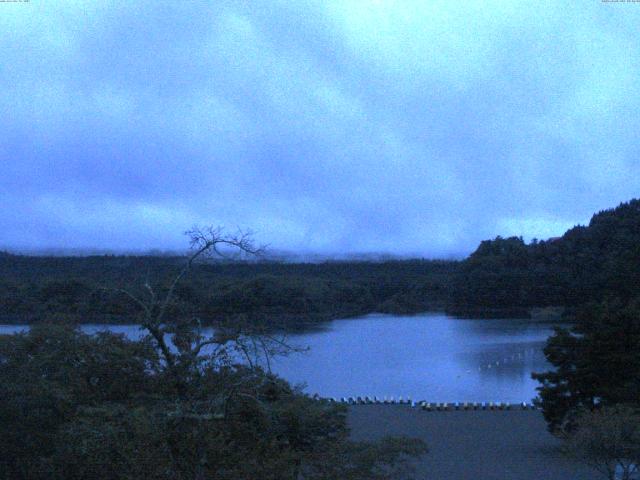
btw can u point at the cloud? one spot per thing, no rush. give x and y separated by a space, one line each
392 126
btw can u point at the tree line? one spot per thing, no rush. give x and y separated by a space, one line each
587 264
504 277
87 288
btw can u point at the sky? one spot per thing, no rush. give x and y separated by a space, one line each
402 127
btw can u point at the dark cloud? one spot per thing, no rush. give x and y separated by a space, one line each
399 127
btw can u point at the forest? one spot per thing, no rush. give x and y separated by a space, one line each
592 263
504 277
86 288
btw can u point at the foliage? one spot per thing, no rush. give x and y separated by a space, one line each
76 406
175 405
87 288
598 262
597 363
608 440
47 375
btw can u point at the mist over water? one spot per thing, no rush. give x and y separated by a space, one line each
429 356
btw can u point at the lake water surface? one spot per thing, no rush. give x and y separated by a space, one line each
429 356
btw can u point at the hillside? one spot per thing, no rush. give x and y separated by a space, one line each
588 263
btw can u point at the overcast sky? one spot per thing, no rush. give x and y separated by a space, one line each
331 126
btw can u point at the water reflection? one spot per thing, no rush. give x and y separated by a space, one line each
429 356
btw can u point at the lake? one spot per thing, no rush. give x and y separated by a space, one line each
429 356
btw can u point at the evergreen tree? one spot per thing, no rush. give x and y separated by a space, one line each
597 363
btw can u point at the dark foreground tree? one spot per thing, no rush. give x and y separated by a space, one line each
597 364
180 403
607 440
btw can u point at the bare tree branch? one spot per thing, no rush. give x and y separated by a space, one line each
254 345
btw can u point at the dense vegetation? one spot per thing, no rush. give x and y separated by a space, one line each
587 264
608 440
75 406
176 405
592 395
503 277
83 288
597 364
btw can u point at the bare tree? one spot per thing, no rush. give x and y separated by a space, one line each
187 353
608 440
185 333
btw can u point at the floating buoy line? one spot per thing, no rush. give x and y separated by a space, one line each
444 406
429 406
